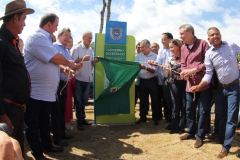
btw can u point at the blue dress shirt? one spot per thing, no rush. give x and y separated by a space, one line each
224 61
162 58
64 51
44 74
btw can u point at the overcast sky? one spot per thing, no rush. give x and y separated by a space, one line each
146 19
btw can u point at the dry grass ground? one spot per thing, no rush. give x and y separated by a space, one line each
134 142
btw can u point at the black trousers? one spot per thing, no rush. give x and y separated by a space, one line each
168 98
146 87
136 93
58 113
16 115
179 105
37 120
160 88
216 120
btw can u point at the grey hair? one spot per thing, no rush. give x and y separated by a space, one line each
213 28
61 31
86 32
146 42
155 43
187 28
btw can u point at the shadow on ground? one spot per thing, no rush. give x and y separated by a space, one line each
144 141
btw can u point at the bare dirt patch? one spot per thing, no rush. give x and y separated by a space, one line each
134 142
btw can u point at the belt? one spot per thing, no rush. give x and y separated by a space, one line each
148 78
230 84
12 102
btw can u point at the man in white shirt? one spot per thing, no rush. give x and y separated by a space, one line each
83 52
162 58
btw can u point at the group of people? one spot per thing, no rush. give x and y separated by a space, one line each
39 82
187 76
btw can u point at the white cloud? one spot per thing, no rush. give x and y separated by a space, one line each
77 20
146 19
196 7
46 5
88 2
149 19
79 23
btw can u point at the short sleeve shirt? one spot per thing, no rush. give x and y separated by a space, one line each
143 59
85 74
64 51
44 74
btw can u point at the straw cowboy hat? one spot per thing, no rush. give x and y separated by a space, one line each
17 6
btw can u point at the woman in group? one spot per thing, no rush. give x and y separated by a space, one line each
71 87
177 88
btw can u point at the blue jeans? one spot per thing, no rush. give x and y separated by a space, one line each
204 98
81 94
228 107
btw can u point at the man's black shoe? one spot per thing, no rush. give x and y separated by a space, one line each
213 136
140 120
173 132
181 131
86 123
67 136
168 120
168 127
55 150
80 127
156 123
61 143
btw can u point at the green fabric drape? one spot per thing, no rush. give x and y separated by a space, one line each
115 98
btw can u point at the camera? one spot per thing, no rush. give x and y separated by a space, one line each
4 127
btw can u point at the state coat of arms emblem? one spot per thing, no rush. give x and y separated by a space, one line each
116 33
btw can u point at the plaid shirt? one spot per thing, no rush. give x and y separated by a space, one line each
194 58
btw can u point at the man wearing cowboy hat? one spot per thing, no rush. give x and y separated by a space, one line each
15 83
